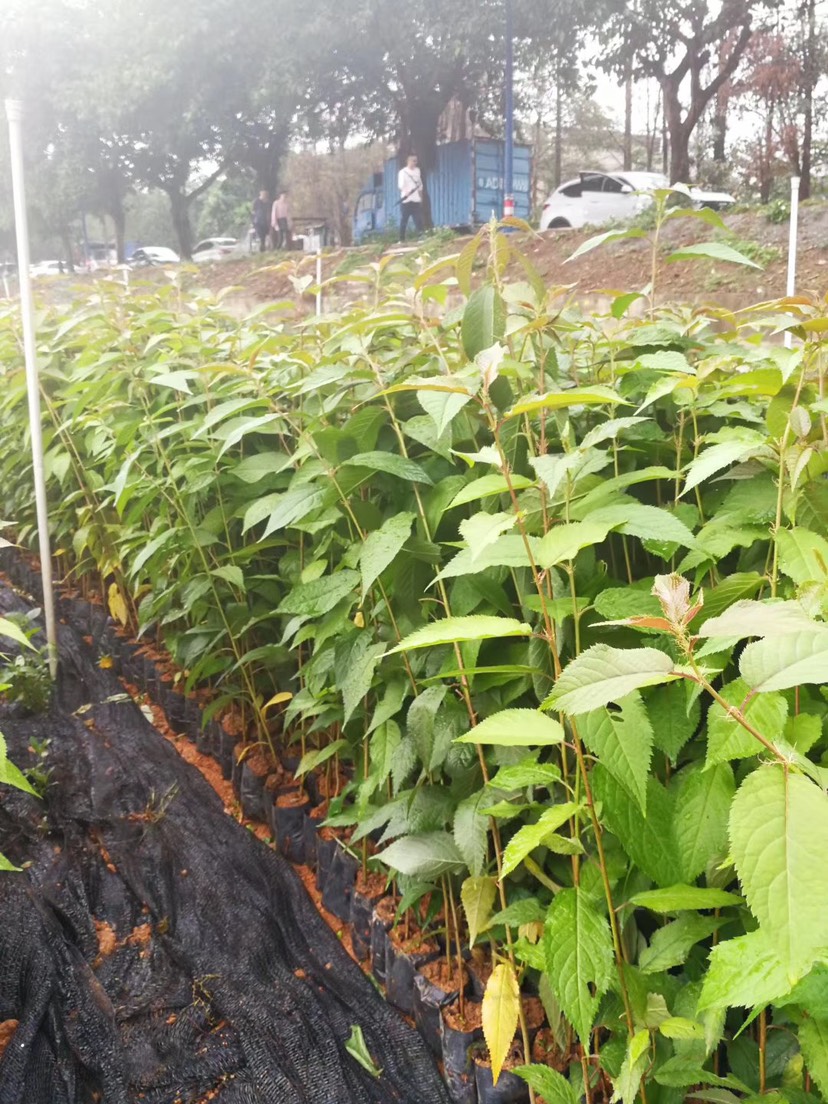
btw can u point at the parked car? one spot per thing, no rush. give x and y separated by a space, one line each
47 268
595 198
153 255
216 249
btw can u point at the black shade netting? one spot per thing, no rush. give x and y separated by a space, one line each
153 949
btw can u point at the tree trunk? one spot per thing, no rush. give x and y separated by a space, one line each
679 135
180 212
628 98
418 134
116 212
558 133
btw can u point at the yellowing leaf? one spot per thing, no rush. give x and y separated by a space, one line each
477 895
501 1007
106 663
117 605
277 699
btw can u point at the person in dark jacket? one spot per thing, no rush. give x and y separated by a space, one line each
261 218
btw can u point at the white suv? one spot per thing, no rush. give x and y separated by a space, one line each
596 198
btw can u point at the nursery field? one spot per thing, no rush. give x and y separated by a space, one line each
507 619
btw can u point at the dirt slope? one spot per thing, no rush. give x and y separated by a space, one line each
619 266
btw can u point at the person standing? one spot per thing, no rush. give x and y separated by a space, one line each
261 218
280 221
410 185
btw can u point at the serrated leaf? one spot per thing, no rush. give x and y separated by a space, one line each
721 455
813 1038
356 674
486 486
634 519
578 952
319 596
551 1085
484 320
701 816
602 674
671 944
674 720
744 971
471 834
451 629
500 1012
623 741
678 897
727 738
478 896
425 855
750 618
391 464
515 728
786 662
564 542
357 1048
561 400
381 548
803 556
526 911
483 529
778 823
530 836
649 841
628 1082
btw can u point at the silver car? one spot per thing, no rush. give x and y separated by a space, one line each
596 198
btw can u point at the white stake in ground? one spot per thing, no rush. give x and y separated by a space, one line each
789 290
14 114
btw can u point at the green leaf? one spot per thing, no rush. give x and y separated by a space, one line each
623 741
578 949
551 1085
356 1047
231 573
427 855
778 823
606 236
701 815
561 400
678 897
673 721
389 463
671 944
803 556
483 529
744 971
786 662
530 836
451 629
478 896
515 728
381 547
319 596
722 455
13 632
486 486
471 834
628 1082
645 522
649 841
727 739
484 320
564 542
717 251
602 674
749 618
680 1072
421 720
312 759
528 910
356 674
813 1038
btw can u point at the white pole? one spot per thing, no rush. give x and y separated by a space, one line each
791 285
319 281
14 114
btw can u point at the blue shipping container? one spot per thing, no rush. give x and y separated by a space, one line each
465 189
